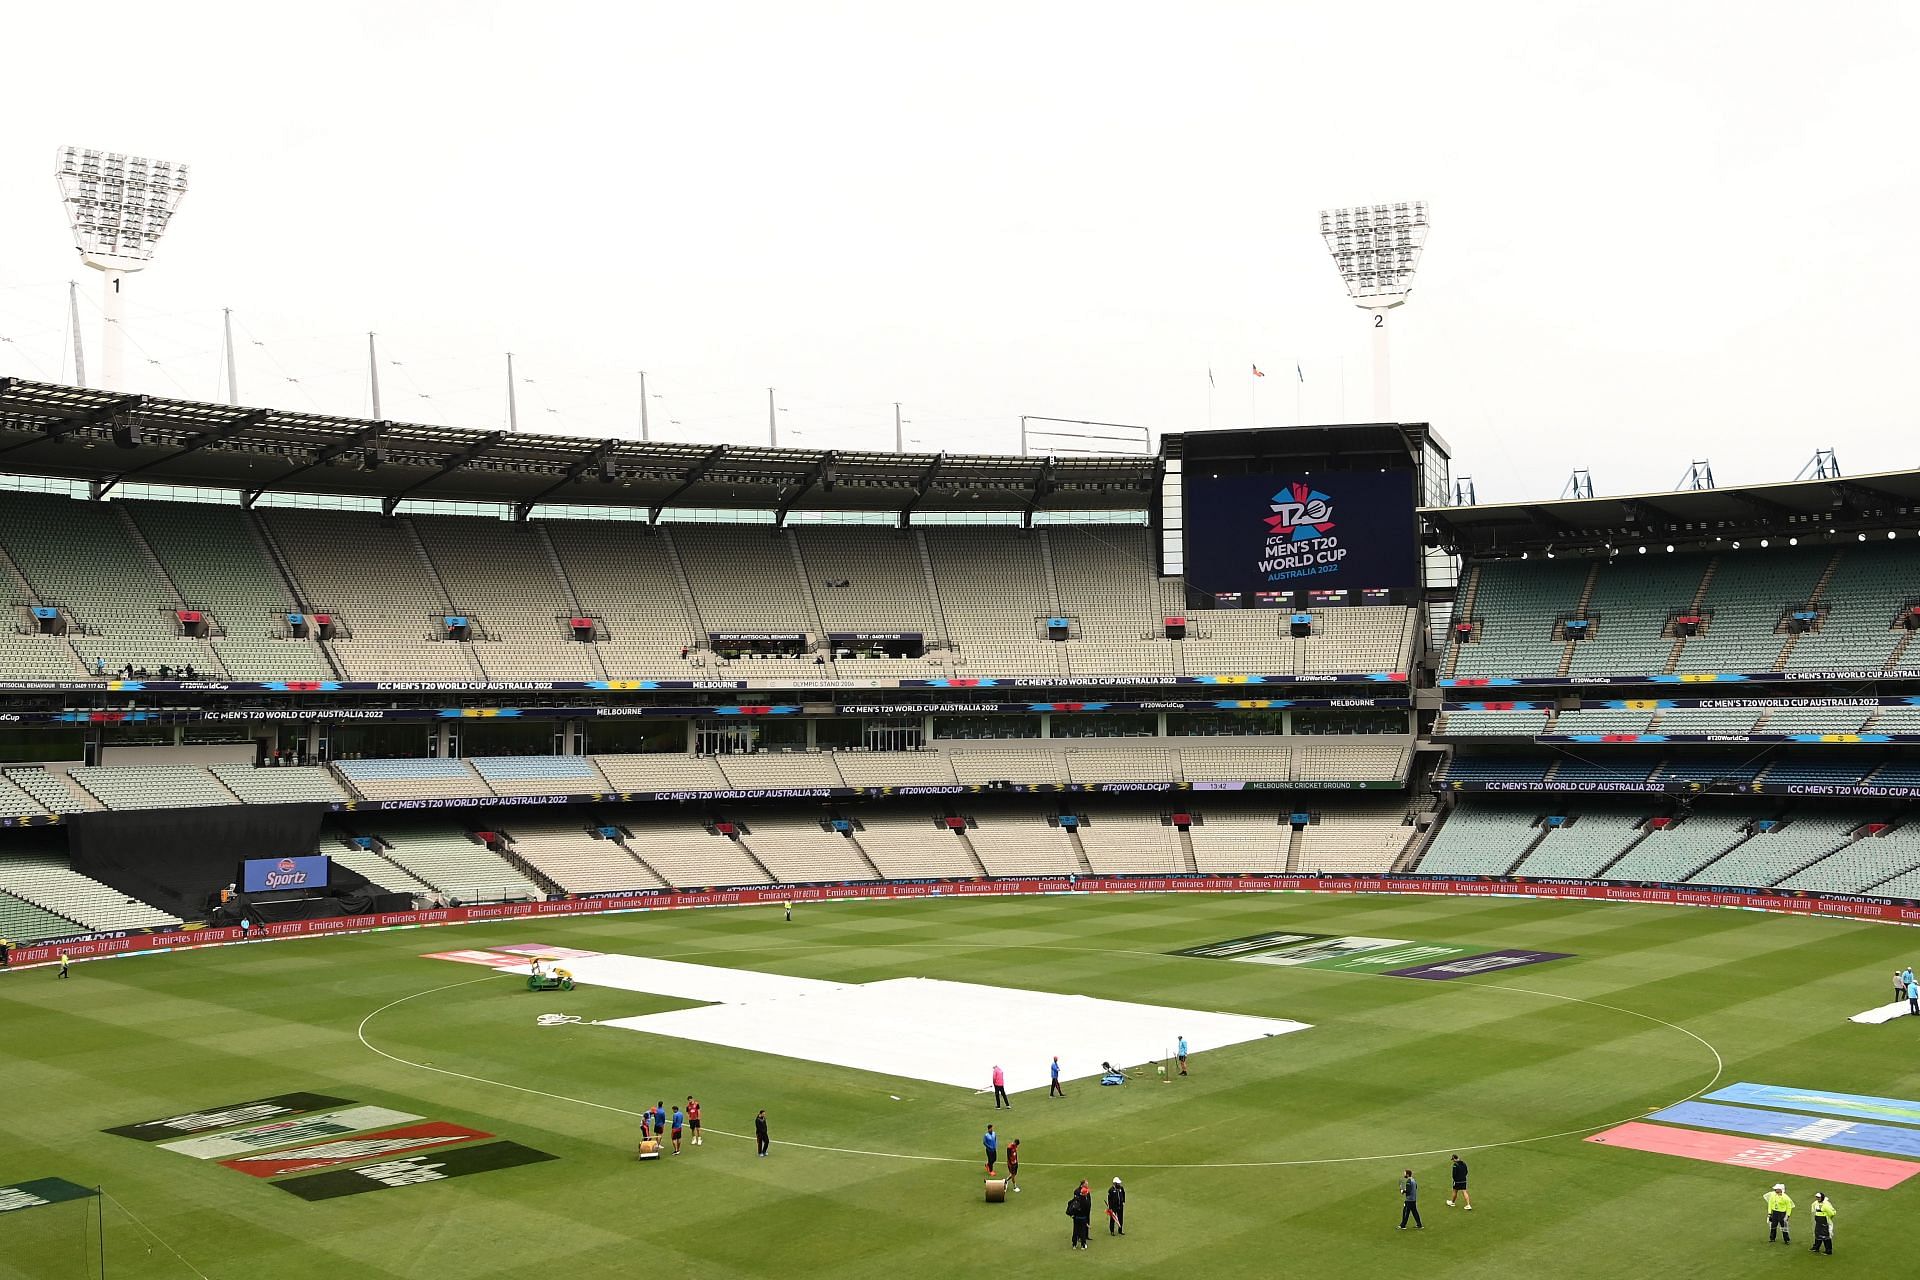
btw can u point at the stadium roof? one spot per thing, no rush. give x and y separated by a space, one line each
105 438
1879 503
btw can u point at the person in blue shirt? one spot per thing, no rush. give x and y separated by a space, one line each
1913 996
1410 1201
991 1142
1183 1055
678 1120
1055 1091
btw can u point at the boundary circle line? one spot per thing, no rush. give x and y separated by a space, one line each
1719 1069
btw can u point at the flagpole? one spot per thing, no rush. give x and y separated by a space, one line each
1253 401
1299 380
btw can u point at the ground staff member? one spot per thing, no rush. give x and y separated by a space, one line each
1116 1209
1779 1213
760 1132
1080 1209
991 1142
1823 1212
1410 1201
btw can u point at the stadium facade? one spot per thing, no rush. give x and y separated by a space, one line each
478 668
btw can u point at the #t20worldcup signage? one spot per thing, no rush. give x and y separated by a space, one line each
259 875
1311 531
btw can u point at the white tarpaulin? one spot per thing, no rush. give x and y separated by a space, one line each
1885 1013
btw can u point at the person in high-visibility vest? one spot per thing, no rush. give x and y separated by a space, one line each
1823 1212
1779 1213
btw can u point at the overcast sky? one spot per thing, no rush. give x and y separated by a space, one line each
1660 231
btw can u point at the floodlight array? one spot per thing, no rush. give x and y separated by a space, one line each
1376 249
118 205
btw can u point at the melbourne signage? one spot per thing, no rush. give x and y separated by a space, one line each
1318 530
259 875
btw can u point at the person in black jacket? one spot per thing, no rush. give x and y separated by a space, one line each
760 1131
1116 1209
1080 1209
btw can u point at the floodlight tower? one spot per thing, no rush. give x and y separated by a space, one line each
118 207
1376 249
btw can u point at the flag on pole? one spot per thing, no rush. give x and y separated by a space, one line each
1296 370
1257 373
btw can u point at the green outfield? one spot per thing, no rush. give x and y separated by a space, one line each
1276 1155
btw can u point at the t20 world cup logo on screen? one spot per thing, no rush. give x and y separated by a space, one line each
1300 513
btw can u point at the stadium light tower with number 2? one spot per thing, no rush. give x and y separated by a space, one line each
1376 249
118 207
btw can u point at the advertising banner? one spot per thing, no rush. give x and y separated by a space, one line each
1286 532
259 875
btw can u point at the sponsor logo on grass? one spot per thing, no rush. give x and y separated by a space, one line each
1488 962
40 1192
1327 949
1390 958
1232 947
1775 1158
1886 1139
387 1142
413 1171
225 1117
287 1132
1862 1105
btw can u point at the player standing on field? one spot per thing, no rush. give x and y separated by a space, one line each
991 1142
760 1131
1183 1055
677 1121
1410 1201
1000 1088
1013 1164
1460 1183
693 1118
1055 1091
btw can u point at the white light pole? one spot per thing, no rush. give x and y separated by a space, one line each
1376 249
118 207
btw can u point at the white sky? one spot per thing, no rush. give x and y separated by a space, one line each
1661 230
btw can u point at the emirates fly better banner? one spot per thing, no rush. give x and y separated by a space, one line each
1301 532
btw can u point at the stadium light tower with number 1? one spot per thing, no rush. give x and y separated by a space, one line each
118 207
1376 249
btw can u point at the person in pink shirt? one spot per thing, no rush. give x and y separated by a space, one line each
1000 1089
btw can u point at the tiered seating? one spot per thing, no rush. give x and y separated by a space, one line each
498 574
1121 841
1579 850
1859 866
1669 855
539 775
1602 720
1607 766
1815 720
388 875
886 583
795 848
1225 760
895 768
577 860
1241 842
21 921
48 791
745 578
771 770
1011 844
980 763
49 883
367 570
210 552
457 866
689 857
1114 762
1821 770
157 786
624 575
1470 768
28 656
1711 768
1480 840
1630 605
1351 761
1749 591
82 556
1869 586
280 786
1239 641
1895 720
1518 605
662 772
1706 720
15 803
1517 724
1771 855
914 846
1357 840
411 779
993 588
1109 583
1355 639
